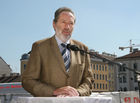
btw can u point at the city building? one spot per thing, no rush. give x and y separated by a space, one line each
103 71
126 79
23 61
9 82
5 69
6 75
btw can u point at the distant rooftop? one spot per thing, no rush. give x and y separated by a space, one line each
135 54
25 56
14 77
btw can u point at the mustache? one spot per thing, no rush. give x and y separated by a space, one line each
66 30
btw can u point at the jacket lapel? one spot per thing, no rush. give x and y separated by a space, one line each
57 53
75 59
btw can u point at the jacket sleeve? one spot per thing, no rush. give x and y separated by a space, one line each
31 75
85 88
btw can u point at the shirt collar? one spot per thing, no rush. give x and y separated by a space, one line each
59 42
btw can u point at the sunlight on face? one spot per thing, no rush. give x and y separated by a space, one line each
64 26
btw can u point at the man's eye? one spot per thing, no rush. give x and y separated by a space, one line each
71 23
63 22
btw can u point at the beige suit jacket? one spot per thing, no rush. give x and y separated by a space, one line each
45 70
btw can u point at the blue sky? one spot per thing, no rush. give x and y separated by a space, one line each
102 25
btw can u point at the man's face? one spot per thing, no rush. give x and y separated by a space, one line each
64 26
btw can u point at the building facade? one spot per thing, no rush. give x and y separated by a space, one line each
23 61
126 79
103 73
5 69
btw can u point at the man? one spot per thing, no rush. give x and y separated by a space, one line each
54 70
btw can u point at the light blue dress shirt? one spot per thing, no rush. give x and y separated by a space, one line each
59 42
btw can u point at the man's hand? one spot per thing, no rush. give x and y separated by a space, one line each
66 91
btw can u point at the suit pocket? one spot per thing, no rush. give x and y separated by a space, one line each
80 68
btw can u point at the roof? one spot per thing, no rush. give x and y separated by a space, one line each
8 79
130 55
25 56
2 62
4 67
108 57
104 58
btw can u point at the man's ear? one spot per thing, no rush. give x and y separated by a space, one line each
54 25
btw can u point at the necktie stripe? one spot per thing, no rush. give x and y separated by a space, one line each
64 51
67 66
66 57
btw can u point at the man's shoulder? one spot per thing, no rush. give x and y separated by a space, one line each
43 41
78 43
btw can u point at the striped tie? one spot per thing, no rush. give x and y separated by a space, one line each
66 57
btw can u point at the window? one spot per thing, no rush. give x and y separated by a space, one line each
135 66
124 79
100 76
120 80
97 76
105 68
136 88
97 86
106 86
103 76
102 67
125 89
124 66
106 77
124 69
100 86
94 66
24 66
97 66
135 78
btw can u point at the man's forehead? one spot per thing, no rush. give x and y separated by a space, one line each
67 14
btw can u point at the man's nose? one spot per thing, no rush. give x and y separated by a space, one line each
67 26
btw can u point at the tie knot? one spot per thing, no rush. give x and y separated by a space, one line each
63 45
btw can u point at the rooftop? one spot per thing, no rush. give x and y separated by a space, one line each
135 54
11 78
